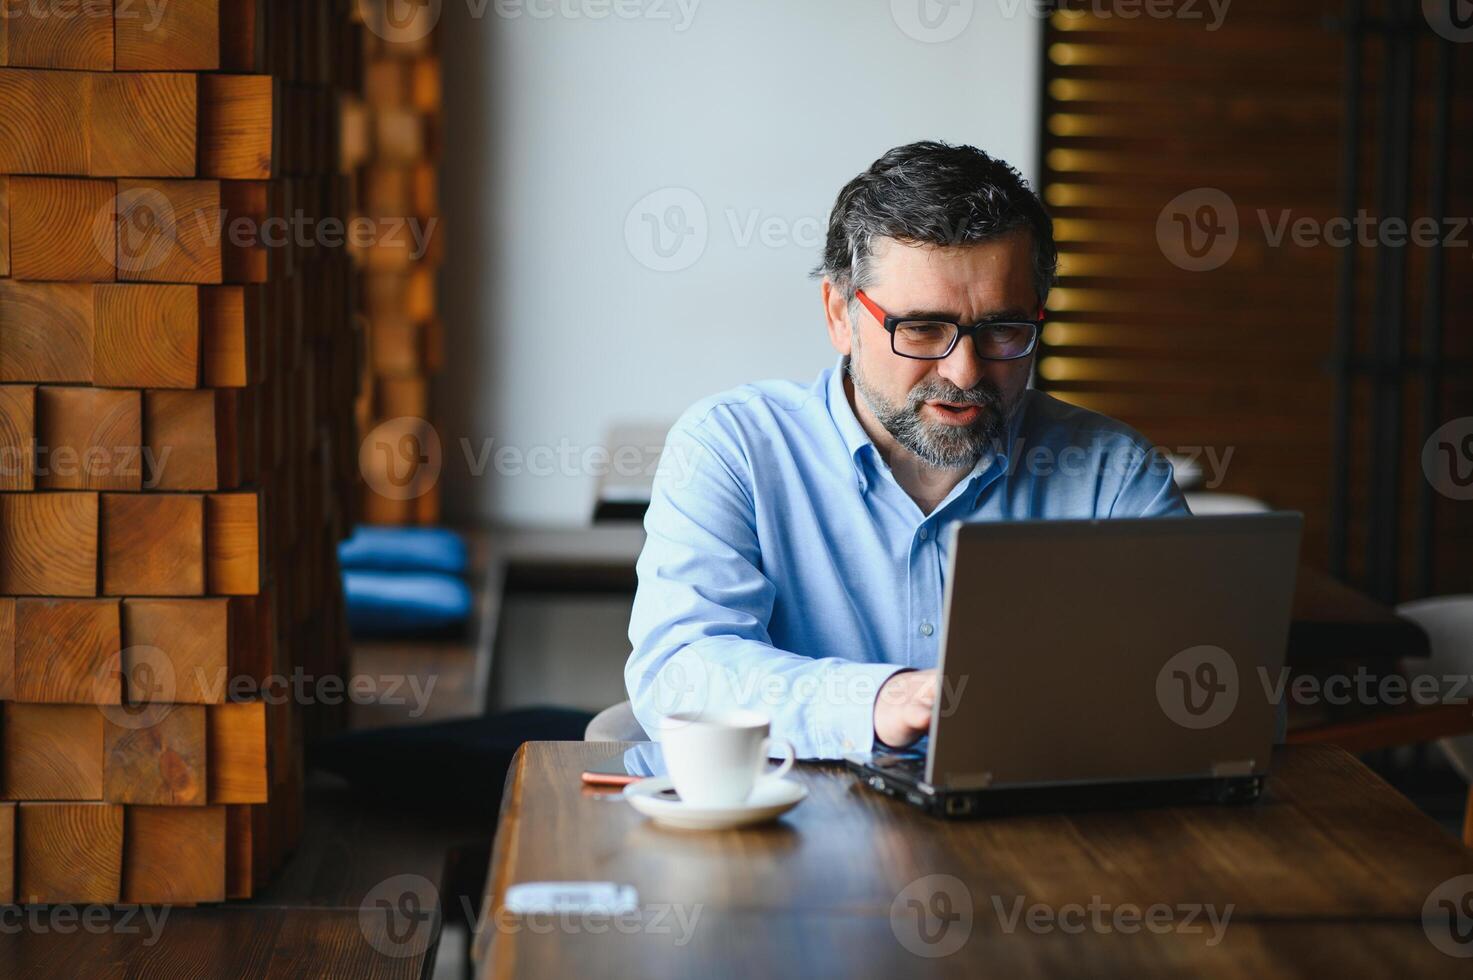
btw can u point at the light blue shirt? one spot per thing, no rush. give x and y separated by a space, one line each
786 570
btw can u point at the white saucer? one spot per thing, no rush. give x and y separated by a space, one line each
655 798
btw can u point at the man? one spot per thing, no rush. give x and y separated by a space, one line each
794 563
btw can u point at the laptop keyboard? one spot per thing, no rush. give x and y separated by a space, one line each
908 764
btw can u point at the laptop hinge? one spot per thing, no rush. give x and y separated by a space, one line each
980 780
1239 767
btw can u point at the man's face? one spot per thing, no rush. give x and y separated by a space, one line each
946 412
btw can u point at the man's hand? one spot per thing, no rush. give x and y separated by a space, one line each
903 707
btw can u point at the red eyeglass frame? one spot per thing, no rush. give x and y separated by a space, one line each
890 322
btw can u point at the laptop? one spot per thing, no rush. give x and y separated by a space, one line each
1089 663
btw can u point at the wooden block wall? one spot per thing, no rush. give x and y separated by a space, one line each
391 136
177 437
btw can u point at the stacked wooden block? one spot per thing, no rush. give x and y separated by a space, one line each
391 135
177 449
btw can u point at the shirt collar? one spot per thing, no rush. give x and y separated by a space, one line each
856 440
853 434
1003 454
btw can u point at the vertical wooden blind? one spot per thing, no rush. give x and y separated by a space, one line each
1147 120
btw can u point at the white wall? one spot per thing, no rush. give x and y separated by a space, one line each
560 318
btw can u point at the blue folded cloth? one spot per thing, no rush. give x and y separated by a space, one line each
396 603
404 549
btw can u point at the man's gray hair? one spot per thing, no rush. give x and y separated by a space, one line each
934 194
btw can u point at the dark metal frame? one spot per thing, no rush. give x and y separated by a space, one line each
1386 364
1432 308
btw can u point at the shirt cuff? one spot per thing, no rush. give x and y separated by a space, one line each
849 728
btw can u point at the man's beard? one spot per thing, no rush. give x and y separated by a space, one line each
948 446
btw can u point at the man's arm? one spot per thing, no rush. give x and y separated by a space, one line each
701 614
1148 486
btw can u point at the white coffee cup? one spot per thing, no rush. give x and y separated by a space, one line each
714 757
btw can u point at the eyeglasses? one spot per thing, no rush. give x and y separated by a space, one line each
933 339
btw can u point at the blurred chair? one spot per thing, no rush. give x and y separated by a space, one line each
615 724
1188 474
1448 622
624 489
460 764
1206 504
1185 470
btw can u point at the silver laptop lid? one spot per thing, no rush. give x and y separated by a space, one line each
1109 651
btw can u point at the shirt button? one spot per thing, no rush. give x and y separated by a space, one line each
925 534
927 629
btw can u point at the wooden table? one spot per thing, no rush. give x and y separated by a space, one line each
1327 873
1333 621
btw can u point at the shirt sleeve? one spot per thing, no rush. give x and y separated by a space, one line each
699 626
1148 486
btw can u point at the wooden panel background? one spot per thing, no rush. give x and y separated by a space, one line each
1138 111
178 438
391 142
